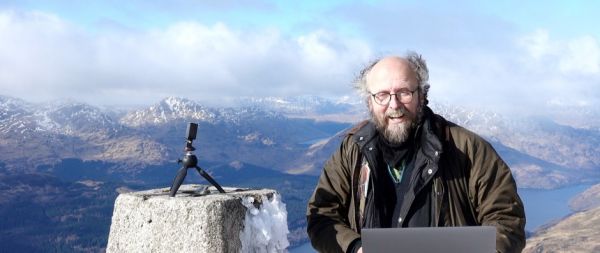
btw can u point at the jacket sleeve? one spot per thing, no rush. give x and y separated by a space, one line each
328 209
495 199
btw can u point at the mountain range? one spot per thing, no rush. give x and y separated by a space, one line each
152 136
77 154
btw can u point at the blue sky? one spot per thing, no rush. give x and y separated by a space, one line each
501 54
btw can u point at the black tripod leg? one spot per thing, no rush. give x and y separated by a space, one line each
178 181
210 179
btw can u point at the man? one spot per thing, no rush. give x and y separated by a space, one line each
408 167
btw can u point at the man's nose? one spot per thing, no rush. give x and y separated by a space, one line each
394 102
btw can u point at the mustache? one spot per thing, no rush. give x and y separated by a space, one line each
395 113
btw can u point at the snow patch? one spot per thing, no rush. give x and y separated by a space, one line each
265 227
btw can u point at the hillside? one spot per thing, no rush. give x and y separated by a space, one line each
586 200
577 233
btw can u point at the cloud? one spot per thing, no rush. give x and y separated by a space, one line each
574 56
475 59
530 73
566 70
479 59
47 57
582 56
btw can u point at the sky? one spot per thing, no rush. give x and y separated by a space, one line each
517 55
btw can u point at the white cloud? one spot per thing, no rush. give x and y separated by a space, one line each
573 56
561 69
537 44
582 55
37 47
43 56
528 75
315 49
47 57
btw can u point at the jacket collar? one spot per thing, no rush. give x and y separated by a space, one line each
365 133
431 134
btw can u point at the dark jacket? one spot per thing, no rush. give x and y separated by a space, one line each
467 181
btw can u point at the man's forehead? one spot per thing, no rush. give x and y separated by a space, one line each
391 70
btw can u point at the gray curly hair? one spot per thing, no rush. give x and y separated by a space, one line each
417 64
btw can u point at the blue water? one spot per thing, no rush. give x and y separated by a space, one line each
304 248
541 207
545 206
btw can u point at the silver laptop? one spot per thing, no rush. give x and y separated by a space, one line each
475 239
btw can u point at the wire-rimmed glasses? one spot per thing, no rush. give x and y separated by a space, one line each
383 98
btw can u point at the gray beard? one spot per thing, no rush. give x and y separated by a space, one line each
400 133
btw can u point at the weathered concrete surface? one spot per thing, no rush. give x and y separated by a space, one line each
151 221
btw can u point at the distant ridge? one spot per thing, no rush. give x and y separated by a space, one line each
588 199
293 135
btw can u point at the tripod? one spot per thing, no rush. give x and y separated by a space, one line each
191 161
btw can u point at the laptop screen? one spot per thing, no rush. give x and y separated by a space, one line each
429 239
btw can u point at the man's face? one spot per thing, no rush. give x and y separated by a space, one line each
395 120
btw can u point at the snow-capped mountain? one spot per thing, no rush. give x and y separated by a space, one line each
167 110
38 134
60 117
10 107
174 109
73 118
341 109
152 135
287 134
300 104
537 136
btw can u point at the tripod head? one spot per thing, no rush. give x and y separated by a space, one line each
190 161
191 131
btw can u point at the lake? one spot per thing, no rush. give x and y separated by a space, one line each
545 206
541 207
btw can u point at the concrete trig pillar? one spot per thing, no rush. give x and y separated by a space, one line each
193 221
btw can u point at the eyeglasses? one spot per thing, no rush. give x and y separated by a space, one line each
383 98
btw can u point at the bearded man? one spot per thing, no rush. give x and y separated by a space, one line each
409 167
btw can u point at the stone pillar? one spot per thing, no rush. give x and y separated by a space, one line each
193 221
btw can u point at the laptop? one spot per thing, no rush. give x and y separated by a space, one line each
475 239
